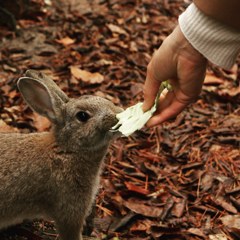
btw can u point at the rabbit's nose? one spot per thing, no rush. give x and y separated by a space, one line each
118 110
109 121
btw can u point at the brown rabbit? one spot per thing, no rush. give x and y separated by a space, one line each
55 174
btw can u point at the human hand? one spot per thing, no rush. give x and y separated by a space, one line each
184 67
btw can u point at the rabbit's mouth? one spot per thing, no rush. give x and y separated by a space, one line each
113 134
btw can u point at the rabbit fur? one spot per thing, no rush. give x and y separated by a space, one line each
55 174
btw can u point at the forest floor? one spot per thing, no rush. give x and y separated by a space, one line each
178 181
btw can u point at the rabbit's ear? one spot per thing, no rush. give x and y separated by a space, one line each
40 98
51 85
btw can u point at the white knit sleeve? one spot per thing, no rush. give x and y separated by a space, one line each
219 43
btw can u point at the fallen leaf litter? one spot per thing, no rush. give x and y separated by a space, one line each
177 181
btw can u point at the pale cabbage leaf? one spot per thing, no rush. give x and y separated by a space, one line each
134 118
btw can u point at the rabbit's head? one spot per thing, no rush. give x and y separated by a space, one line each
78 123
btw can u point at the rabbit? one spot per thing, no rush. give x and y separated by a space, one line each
55 174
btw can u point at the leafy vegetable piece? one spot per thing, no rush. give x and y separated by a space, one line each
134 118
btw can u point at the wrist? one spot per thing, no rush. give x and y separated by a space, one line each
223 11
215 41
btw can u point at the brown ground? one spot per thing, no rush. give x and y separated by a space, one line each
180 180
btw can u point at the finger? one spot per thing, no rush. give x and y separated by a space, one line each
165 101
150 92
169 112
161 68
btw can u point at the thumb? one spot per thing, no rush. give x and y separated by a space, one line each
150 91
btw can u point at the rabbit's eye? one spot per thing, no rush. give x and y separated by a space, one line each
82 116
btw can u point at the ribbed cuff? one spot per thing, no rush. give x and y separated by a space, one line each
219 43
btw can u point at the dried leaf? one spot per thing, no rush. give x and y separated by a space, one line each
6 128
224 204
211 79
197 232
167 208
119 223
66 41
206 182
231 221
104 62
69 6
134 188
142 208
41 123
13 94
85 76
142 226
179 207
9 68
116 29
219 236
136 89
231 92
